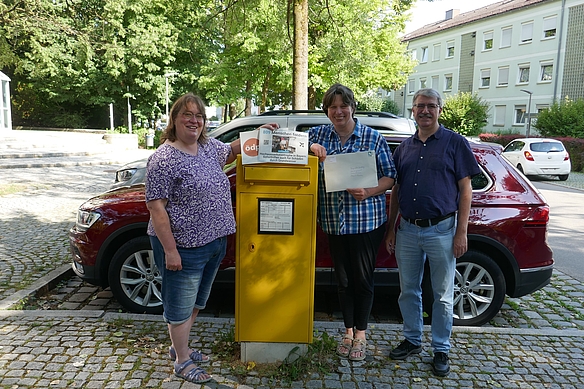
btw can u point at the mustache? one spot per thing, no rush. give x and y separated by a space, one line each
425 115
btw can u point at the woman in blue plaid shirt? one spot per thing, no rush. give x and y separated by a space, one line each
353 219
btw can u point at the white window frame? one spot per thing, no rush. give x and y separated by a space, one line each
411 86
506 37
435 82
448 80
424 54
519 110
450 49
549 28
526 33
523 68
499 117
503 76
485 78
436 52
488 41
546 72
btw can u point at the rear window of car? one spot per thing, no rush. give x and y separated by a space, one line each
546 146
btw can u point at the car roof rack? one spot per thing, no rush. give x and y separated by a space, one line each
314 111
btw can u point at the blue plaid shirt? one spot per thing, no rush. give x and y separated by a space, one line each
339 212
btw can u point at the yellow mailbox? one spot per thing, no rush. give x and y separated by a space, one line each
275 250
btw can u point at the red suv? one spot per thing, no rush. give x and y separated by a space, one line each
507 238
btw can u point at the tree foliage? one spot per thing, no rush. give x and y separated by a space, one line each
562 119
465 113
69 59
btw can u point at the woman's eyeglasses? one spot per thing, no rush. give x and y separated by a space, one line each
190 115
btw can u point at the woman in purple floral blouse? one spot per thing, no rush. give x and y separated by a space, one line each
188 196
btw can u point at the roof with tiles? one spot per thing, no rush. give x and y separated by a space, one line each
471 16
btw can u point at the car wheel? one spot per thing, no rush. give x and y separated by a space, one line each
520 168
134 278
563 177
479 289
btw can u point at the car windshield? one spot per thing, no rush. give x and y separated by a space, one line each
546 146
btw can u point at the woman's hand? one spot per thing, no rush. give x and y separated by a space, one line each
270 126
359 194
318 151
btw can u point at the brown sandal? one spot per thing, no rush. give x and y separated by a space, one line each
344 349
359 348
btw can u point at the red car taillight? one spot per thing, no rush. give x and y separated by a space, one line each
539 218
528 155
567 156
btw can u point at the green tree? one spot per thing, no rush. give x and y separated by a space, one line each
562 119
465 113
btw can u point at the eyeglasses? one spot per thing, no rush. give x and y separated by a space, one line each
429 106
190 115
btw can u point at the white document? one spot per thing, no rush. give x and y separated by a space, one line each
283 146
352 170
279 146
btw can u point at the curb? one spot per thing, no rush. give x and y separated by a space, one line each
40 286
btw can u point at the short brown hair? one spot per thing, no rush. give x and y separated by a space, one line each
345 93
180 104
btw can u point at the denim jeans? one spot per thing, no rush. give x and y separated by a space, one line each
189 288
415 245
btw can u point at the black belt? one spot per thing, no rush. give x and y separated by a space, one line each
428 222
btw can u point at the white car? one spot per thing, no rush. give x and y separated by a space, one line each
296 120
539 157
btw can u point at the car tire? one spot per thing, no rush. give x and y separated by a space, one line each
479 290
134 278
563 177
520 168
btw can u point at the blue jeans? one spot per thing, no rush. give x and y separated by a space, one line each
189 288
415 245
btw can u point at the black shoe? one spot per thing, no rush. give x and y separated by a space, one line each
441 366
404 350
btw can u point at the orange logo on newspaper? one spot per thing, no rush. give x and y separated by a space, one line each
250 147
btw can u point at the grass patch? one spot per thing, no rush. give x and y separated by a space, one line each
320 358
6 189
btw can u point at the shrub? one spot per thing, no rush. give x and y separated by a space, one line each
562 119
465 113
377 104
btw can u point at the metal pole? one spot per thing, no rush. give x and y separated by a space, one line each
166 78
528 112
111 107
129 113
528 117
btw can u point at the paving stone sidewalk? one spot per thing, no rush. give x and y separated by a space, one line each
94 350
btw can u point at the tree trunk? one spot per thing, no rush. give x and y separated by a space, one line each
300 70
248 101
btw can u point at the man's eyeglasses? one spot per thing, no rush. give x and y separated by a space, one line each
190 115
429 106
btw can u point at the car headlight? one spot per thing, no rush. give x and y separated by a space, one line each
86 219
125 175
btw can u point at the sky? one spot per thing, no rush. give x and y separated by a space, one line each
425 12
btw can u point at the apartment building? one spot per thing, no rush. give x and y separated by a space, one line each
520 56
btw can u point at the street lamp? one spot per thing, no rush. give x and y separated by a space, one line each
528 112
166 79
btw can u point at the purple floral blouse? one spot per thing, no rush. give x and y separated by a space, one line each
199 198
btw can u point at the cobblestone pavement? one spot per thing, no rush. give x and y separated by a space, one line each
535 342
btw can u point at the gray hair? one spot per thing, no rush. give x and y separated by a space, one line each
428 92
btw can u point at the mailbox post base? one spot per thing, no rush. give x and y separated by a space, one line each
271 352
